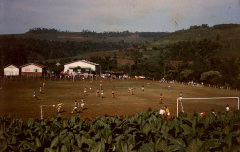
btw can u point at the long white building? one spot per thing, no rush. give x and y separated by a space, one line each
81 66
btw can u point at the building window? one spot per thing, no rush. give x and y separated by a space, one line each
36 70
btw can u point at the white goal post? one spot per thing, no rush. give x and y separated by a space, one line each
205 99
41 107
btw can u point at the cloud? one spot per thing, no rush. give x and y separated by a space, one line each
104 15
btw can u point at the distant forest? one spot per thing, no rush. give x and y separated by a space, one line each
154 35
22 50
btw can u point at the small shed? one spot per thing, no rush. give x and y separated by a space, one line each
11 70
33 69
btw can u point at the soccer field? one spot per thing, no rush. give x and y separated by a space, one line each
16 98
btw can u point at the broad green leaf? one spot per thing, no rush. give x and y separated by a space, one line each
178 142
65 123
37 142
64 148
160 145
147 147
49 150
110 138
13 147
124 146
192 146
209 144
66 142
14 140
130 147
3 148
77 137
187 129
29 145
54 142
30 122
57 124
146 128
226 130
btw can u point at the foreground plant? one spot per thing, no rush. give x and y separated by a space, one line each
146 131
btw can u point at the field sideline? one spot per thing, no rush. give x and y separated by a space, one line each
16 98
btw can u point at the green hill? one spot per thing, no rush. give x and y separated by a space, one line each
186 35
227 37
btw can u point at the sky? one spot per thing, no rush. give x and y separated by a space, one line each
18 16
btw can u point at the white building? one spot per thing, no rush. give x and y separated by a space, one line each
32 69
11 70
81 65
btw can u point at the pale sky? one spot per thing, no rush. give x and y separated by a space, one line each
18 16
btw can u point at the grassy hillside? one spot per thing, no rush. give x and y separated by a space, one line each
229 38
194 34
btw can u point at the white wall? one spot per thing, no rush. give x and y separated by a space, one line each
11 71
31 68
79 63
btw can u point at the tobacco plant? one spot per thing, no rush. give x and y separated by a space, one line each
145 131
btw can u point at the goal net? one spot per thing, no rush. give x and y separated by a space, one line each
191 105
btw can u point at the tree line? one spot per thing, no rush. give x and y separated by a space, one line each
89 33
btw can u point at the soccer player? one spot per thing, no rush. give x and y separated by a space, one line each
131 91
82 103
113 94
85 91
59 106
167 111
162 111
213 112
201 114
161 99
180 97
40 89
102 93
97 93
90 88
142 88
34 94
169 86
76 105
227 108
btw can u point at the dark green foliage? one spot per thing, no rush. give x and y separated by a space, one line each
39 30
192 50
22 50
225 26
146 131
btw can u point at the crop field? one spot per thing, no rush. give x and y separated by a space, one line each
16 98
